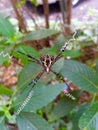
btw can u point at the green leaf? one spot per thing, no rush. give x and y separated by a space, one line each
89 119
58 65
2 59
73 53
41 97
59 42
28 51
32 121
24 59
63 107
40 34
5 90
6 28
97 66
81 75
51 51
2 123
77 115
28 73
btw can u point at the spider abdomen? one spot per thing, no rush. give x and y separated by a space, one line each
47 62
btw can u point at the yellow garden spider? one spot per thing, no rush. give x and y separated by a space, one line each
46 61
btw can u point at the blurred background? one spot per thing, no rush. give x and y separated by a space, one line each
39 27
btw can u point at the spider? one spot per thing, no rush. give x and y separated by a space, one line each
46 61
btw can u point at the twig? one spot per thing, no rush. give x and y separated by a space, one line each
20 18
30 15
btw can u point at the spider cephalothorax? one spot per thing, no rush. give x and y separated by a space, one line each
47 61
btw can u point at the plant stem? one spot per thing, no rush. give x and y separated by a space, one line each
46 12
68 7
20 18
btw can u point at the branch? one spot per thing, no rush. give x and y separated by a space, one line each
46 12
20 18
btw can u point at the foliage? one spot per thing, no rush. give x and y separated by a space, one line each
87 34
48 108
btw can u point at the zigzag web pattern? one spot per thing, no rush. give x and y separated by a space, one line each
5 54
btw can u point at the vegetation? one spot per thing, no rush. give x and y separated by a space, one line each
49 108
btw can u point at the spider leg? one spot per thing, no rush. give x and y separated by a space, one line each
35 80
64 47
60 53
31 58
56 58
33 83
61 78
67 88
